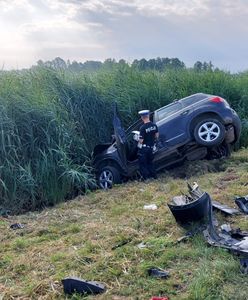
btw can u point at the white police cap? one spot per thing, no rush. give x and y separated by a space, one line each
145 112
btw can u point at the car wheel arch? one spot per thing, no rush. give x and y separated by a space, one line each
199 117
109 163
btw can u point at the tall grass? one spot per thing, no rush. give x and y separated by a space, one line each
50 122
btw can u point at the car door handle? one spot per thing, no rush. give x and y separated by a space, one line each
184 112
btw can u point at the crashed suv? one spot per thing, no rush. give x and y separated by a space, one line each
196 127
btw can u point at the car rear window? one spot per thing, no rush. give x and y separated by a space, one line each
168 110
193 99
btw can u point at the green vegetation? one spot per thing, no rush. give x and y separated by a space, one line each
96 237
51 119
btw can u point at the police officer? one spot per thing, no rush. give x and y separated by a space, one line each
148 136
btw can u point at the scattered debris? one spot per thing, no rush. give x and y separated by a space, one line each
158 273
242 203
142 245
238 234
183 238
225 208
243 244
81 286
159 298
236 241
121 243
226 228
150 207
244 265
17 226
223 240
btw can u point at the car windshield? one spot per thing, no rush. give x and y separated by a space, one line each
168 110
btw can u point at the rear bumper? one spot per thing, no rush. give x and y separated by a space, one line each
233 126
237 126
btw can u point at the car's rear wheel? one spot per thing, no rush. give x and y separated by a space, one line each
107 177
209 132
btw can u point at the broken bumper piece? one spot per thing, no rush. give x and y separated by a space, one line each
76 285
194 210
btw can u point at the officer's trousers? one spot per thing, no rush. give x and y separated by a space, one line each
146 166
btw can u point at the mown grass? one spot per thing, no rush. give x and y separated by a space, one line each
95 237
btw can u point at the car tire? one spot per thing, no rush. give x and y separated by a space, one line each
209 132
107 177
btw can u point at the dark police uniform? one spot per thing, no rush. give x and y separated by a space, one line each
148 135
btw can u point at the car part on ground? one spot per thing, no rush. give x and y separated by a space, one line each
17 226
158 273
238 234
244 265
188 209
225 208
159 298
76 285
235 241
242 203
221 239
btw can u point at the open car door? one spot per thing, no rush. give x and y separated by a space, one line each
120 137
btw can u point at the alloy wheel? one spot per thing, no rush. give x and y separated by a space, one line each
106 179
209 131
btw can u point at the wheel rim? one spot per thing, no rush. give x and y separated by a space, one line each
106 179
209 132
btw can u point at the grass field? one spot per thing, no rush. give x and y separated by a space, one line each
95 237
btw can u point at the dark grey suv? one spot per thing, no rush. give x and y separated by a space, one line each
196 127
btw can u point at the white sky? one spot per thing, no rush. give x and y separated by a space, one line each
191 30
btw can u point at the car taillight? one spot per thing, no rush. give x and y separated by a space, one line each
216 99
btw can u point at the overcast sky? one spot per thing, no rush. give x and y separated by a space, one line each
191 30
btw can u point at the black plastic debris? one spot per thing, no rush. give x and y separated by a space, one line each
238 234
188 209
225 208
76 285
244 265
158 273
234 240
242 203
223 240
121 243
16 226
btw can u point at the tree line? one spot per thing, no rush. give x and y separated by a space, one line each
158 64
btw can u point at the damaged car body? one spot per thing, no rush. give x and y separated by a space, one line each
196 127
